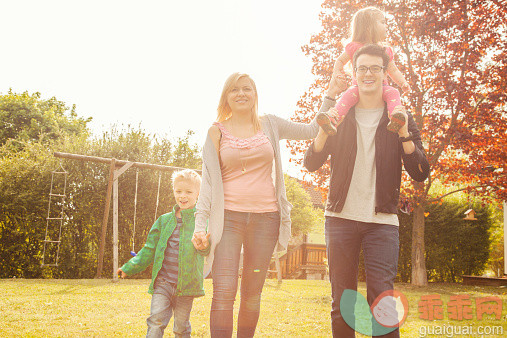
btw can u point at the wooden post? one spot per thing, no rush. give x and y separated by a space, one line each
115 227
117 174
105 218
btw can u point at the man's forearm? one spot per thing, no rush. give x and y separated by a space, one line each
320 141
408 146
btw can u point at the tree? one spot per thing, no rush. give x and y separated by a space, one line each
25 178
303 215
27 117
453 54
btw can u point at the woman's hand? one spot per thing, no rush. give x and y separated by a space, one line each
200 240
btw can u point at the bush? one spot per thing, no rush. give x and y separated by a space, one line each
454 246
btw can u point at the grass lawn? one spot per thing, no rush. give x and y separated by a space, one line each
296 308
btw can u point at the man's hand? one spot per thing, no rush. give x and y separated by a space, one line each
403 132
409 146
405 87
338 84
200 240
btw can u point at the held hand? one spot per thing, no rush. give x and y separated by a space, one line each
121 274
201 240
333 113
338 84
406 87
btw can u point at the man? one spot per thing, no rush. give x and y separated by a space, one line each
366 162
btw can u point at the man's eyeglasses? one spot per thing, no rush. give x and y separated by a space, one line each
372 69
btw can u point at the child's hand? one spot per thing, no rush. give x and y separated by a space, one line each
405 87
200 240
123 274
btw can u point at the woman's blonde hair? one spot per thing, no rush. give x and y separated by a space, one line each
224 110
363 28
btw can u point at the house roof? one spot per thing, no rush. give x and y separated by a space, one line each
314 192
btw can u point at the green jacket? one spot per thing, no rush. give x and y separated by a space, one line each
190 260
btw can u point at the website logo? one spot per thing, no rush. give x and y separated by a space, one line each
388 312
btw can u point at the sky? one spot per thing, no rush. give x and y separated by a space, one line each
157 64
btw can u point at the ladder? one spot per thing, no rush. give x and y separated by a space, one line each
54 220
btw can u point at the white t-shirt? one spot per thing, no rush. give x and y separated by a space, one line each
360 202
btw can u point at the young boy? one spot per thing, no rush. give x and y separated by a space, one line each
177 274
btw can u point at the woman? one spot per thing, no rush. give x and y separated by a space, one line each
242 201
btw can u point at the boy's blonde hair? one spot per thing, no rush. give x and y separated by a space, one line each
224 111
363 28
186 174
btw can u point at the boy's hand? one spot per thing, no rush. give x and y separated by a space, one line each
121 273
201 240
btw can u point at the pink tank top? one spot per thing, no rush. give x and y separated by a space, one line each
246 166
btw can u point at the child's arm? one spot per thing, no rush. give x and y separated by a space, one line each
395 74
146 255
340 63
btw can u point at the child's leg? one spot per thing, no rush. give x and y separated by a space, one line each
161 308
392 97
347 100
182 308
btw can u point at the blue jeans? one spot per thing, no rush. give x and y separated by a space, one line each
258 234
344 239
163 302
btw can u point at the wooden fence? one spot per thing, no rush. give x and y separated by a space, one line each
306 260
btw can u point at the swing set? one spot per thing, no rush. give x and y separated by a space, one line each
117 168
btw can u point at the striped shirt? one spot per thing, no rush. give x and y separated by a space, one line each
169 270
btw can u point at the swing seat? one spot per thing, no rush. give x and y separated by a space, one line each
133 253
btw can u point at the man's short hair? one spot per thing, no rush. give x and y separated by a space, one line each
373 50
186 174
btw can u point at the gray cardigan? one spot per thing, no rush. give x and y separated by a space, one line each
210 204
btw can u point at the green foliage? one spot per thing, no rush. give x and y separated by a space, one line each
32 129
303 215
24 183
27 117
454 246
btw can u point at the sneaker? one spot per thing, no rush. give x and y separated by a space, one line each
397 121
327 123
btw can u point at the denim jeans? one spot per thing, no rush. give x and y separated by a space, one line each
258 234
344 239
163 303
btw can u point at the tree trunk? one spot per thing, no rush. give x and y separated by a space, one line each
419 277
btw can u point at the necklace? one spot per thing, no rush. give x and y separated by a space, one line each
243 163
241 159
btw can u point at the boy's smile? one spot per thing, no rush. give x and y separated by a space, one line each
185 193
